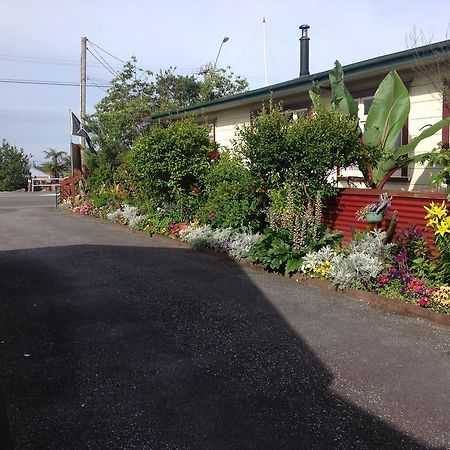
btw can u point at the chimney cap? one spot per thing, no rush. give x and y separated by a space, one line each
304 27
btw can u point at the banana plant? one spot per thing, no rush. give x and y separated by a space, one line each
387 115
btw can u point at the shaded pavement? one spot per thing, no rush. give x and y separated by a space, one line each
112 339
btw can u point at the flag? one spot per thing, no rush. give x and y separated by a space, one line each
78 130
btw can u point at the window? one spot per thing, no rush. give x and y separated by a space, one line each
367 103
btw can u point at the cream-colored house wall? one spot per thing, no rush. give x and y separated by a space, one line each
226 122
426 109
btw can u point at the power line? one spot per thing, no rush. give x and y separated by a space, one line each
49 83
110 54
71 62
103 59
96 85
42 60
111 71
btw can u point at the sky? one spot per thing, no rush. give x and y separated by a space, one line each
40 40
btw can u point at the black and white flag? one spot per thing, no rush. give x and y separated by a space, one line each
78 130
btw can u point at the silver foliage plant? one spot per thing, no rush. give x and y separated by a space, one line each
316 259
363 260
129 214
225 240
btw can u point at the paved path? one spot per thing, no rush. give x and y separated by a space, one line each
111 339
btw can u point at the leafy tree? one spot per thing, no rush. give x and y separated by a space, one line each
220 82
123 114
119 117
173 91
58 164
14 167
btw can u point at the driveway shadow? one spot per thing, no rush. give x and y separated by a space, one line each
134 347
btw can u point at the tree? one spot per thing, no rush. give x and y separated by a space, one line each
220 82
58 164
122 115
119 117
174 91
14 167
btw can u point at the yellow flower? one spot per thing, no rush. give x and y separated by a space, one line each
433 222
436 210
442 228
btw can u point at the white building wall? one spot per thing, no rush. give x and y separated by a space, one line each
226 123
426 109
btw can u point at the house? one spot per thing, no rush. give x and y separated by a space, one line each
419 69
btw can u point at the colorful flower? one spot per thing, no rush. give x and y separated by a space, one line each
212 216
442 228
436 210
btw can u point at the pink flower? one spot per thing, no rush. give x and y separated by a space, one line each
212 216
214 155
384 279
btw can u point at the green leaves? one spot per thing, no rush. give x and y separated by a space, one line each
167 162
341 100
14 166
388 113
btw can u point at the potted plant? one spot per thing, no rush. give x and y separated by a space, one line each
374 212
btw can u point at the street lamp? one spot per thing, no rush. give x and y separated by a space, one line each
225 39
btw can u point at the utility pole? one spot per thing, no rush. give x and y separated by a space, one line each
83 95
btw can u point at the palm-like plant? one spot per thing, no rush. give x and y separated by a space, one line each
58 162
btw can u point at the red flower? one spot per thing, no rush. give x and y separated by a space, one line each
196 189
424 302
384 278
214 155
212 216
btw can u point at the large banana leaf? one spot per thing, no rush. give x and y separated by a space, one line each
388 113
400 157
341 98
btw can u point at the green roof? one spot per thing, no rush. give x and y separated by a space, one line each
398 60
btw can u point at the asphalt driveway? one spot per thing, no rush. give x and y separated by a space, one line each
112 339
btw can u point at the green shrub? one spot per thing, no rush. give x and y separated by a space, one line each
276 251
168 162
320 143
264 146
230 195
309 149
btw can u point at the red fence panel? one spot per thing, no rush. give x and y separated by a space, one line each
340 211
